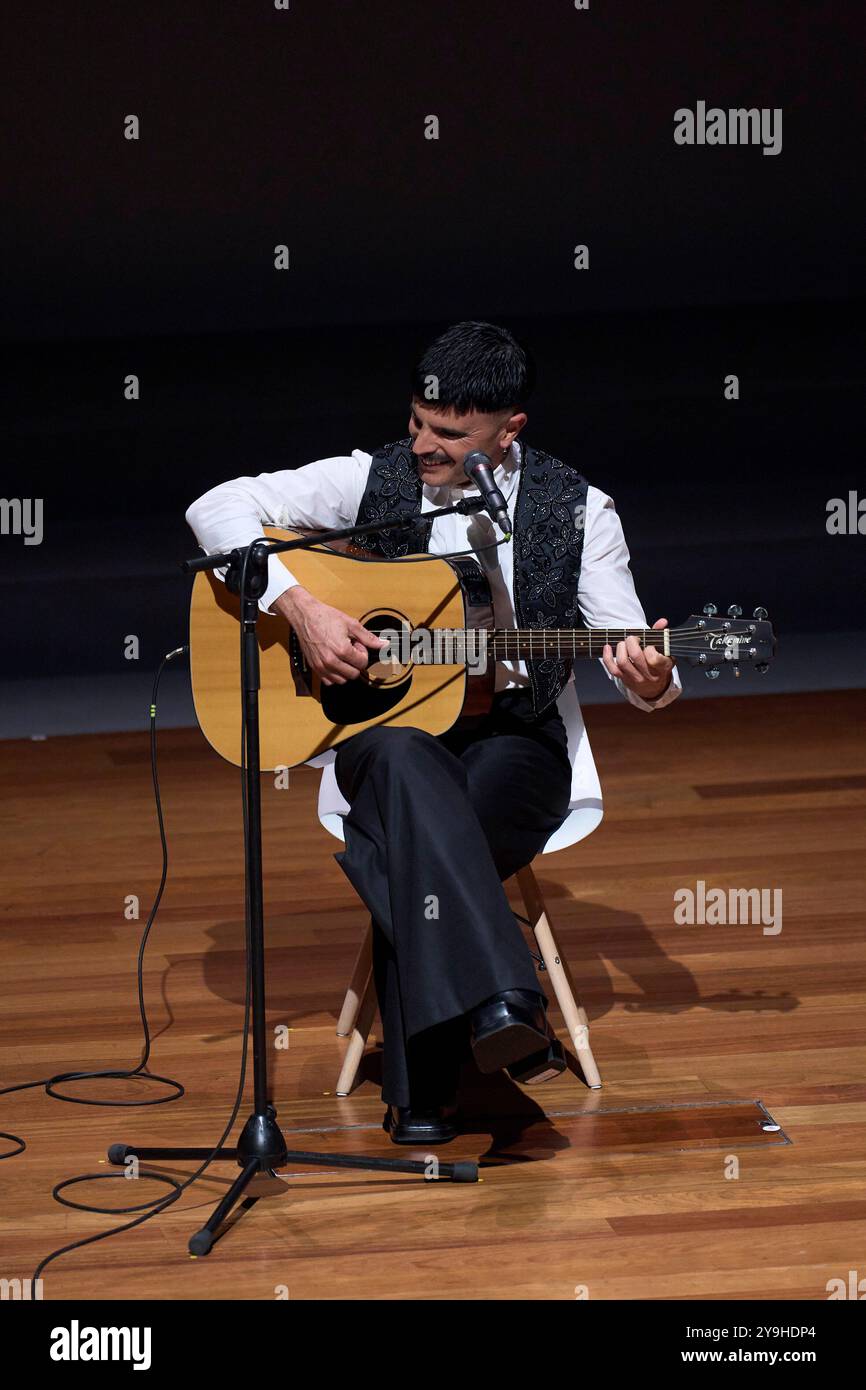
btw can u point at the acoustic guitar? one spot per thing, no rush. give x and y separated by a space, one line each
439 666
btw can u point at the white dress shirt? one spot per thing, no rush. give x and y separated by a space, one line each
328 492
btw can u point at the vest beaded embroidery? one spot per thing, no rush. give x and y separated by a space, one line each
549 516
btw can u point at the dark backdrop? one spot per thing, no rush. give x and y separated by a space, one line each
306 127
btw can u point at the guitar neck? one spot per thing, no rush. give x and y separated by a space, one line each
536 644
447 645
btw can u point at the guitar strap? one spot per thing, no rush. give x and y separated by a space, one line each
549 525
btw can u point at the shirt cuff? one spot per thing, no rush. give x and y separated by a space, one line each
673 691
279 580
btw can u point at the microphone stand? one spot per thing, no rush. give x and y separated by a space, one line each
261 1147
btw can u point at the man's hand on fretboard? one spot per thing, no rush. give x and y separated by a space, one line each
645 670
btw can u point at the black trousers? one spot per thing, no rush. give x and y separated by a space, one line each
435 826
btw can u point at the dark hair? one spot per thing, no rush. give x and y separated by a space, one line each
477 366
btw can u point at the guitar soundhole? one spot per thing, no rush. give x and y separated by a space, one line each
375 691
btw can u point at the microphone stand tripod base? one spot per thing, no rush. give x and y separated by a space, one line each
262 1149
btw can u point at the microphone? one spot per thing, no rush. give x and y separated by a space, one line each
477 467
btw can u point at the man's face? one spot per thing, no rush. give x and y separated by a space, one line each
441 439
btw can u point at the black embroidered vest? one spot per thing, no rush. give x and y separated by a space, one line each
549 517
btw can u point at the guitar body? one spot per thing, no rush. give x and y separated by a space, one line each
446 677
300 717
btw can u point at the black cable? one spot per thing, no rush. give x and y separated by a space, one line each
138 1071
326 549
156 1205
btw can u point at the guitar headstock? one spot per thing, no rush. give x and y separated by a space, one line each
709 641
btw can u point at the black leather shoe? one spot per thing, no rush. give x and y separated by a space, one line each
509 1027
433 1124
541 1066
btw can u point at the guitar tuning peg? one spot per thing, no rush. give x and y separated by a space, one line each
760 613
763 667
713 673
734 611
710 609
737 671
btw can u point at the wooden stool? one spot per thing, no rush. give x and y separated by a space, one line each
359 1005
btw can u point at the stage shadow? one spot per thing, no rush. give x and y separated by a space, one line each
306 983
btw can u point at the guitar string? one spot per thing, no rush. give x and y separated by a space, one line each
418 658
586 639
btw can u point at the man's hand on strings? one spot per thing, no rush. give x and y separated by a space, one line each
334 644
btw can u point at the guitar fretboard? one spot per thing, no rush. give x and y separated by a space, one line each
460 645
568 642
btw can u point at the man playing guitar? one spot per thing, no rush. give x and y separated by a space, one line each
443 821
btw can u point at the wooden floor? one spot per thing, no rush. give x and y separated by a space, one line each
662 1185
